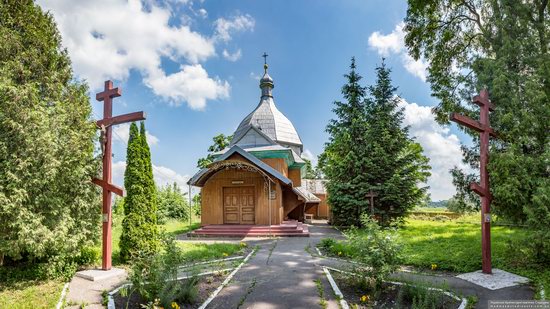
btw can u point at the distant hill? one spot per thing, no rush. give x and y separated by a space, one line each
438 204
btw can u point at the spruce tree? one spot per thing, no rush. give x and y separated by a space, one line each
369 150
343 160
139 226
396 165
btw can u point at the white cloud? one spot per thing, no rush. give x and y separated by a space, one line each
190 84
203 13
163 175
441 146
394 44
307 154
122 133
107 39
388 44
255 76
225 27
232 56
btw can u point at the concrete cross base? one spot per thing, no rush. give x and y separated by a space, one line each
497 280
99 274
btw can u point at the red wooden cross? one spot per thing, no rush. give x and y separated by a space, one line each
482 189
105 125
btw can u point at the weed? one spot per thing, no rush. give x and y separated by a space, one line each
248 291
321 292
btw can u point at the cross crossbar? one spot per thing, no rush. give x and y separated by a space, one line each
472 124
109 186
121 119
109 92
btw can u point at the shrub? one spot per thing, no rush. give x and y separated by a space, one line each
154 277
374 247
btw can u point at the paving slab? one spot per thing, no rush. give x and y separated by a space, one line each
497 280
85 292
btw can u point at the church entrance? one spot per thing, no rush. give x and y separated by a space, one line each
238 205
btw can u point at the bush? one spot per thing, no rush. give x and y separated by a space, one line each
154 277
172 203
375 248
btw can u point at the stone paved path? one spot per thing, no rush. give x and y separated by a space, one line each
282 274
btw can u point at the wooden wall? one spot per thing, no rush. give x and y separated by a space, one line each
212 196
320 210
279 164
296 177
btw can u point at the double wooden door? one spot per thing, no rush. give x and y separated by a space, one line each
238 205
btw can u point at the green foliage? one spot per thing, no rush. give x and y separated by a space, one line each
139 226
173 203
154 277
374 247
421 297
197 252
369 150
48 206
220 142
312 172
500 45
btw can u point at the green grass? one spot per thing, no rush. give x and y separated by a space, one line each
30 294
171 227
197 252
456 246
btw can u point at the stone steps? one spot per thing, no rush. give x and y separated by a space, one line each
288 228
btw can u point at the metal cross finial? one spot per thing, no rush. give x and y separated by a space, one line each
265 61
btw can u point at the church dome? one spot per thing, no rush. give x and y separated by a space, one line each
269 120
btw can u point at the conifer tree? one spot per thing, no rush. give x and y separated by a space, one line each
369 150
343 160
48 206
396 165
139 226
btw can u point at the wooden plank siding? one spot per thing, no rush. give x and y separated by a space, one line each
320 210
295 176
212 196
279 164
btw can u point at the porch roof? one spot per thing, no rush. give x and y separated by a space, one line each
201 176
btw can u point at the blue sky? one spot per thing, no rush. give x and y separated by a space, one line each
193 67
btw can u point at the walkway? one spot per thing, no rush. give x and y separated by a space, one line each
282 274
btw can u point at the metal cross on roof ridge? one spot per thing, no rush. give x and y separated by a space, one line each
265 57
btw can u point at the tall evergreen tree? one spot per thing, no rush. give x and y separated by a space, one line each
396 164
344 159
369 150
47 204
139 226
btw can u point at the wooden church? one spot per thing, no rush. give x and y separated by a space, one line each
255 187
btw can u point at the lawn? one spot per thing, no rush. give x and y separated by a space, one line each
30 294
22 293
456 246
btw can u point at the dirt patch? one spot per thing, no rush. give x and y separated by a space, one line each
206 285
391 295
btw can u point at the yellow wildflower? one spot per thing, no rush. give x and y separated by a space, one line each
339 253
434 266
365 298
243 244
225 254
175 305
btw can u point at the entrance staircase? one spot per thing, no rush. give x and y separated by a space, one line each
290 228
